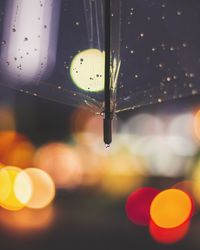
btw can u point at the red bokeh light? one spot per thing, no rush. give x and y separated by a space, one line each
168 235
138 205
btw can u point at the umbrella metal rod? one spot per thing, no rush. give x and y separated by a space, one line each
107 108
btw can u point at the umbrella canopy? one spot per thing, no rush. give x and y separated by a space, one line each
56 49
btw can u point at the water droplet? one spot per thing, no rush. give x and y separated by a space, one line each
179 13
168 79
3 42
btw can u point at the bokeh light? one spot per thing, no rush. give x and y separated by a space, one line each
186 133
61 162
168 235
43 188
92 167
119 174
138 205
8 199
16 149
143 125
171 208
5 185
87 70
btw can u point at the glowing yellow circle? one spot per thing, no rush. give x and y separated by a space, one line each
5 185
171 208
87 70
8 198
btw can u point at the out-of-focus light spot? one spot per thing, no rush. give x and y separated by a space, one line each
27 220
5 185
171 208
138 205
143 125
119 176
62 163
16 150
168 235
161 158
43 188
92 166
8 199
182 146
21 155
177 129
87 70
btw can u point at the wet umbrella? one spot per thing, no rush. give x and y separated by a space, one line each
105 55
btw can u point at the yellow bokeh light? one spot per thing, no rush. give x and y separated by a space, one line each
87 70
171 208
120 175
8 198
5 185
43 188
